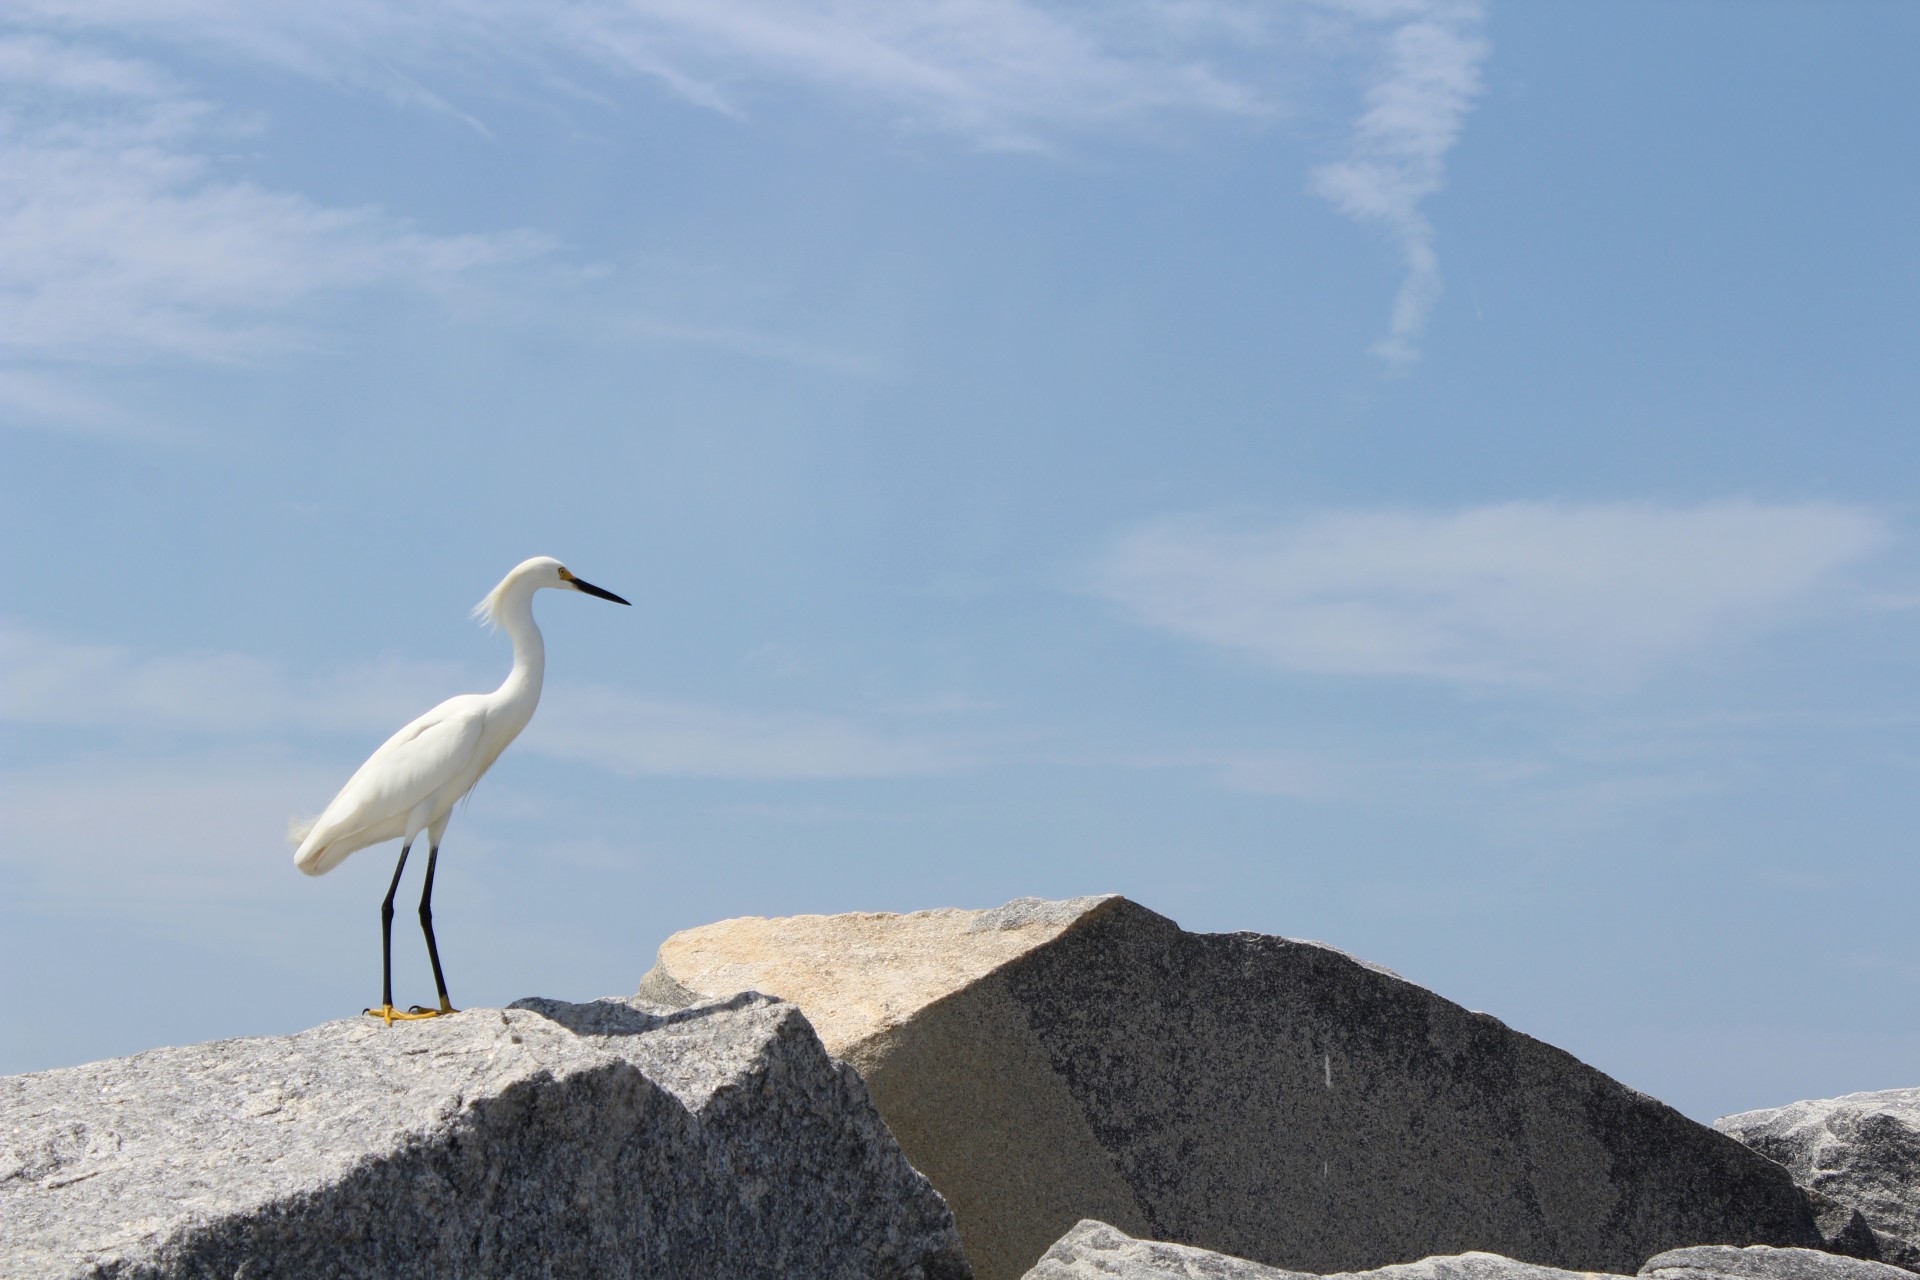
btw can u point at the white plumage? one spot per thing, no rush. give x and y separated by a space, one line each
412 782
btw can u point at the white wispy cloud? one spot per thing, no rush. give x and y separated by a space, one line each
36 398
155 838
1000 73
1425 79
51 680
1525 593
40 64
1334 775
640 736
126 240
129 241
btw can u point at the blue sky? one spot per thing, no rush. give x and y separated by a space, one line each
1430 477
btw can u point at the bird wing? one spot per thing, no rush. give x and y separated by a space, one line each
411 766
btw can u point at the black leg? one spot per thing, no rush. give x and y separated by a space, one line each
386 927
426 926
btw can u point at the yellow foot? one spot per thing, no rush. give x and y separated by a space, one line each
391 1015
421 1011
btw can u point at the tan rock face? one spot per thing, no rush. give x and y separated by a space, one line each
1268 1099
864 973
970 1093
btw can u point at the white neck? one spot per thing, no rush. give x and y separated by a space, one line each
522 684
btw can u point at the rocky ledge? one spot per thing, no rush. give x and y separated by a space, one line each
1096 1251
1861 1152
1268 1098
547 1139
1093 1090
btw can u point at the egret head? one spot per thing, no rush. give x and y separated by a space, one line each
580 584
530 576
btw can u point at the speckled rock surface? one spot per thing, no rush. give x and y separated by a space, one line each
1096 1251
548 1139
863 973
1273 1100
1758 1262
1471 1266
1862 1150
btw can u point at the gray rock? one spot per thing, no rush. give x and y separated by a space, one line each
1096 1251
1861 1150
549 1139
1472 1266
1758 1262
1022 912
1273 1100
1845 1230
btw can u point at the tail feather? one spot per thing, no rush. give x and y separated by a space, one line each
314 857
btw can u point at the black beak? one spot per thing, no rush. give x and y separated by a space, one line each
581 584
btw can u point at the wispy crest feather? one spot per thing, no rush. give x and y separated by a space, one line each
487 612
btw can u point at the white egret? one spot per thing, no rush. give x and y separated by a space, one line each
412 782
